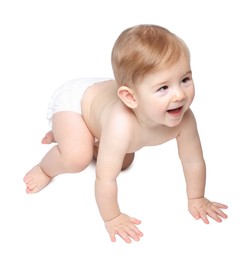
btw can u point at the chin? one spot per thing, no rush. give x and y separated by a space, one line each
174 123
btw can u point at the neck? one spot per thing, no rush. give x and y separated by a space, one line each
145 123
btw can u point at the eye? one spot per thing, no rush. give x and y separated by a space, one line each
186 79
163 89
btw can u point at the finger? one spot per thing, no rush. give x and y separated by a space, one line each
135 221
134 233
112 237
212 214
112 233
124 236
220 205
220 212
136 230
203 216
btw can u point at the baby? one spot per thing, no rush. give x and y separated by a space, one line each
146 104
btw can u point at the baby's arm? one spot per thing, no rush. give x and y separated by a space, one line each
191 155
109 162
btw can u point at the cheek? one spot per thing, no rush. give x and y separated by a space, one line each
157 108
190 94
153 107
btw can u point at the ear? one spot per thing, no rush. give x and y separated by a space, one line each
127 95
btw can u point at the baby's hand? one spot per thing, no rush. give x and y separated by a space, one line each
202 207
125 227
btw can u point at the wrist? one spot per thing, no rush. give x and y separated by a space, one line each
195 198
110 219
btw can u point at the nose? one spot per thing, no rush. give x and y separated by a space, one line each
178 94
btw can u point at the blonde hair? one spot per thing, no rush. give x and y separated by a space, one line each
144 49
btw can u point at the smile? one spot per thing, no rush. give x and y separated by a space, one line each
176 111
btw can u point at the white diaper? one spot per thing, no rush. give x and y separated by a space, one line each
68 96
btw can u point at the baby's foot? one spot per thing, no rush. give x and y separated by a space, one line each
48 138
36 180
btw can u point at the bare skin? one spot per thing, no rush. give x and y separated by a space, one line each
48 139
36 179
124 120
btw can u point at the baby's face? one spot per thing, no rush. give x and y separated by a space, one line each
164 96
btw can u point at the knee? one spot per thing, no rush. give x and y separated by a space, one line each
128 159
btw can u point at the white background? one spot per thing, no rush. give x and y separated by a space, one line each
45 43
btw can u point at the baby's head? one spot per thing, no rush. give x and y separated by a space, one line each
144 49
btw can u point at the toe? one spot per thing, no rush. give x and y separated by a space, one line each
26 179
32 188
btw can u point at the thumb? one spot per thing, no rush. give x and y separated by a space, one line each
194 212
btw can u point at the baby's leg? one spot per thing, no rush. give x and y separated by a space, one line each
128 159
72 153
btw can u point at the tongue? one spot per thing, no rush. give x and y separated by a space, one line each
174 111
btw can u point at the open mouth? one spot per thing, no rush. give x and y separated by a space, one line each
175 111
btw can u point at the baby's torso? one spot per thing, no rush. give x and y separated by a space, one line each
101 101
95 102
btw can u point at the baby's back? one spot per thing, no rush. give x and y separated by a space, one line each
96 101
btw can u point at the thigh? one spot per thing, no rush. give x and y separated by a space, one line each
72 135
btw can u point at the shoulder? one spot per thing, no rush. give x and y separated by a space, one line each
118 116
120 121
117 123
